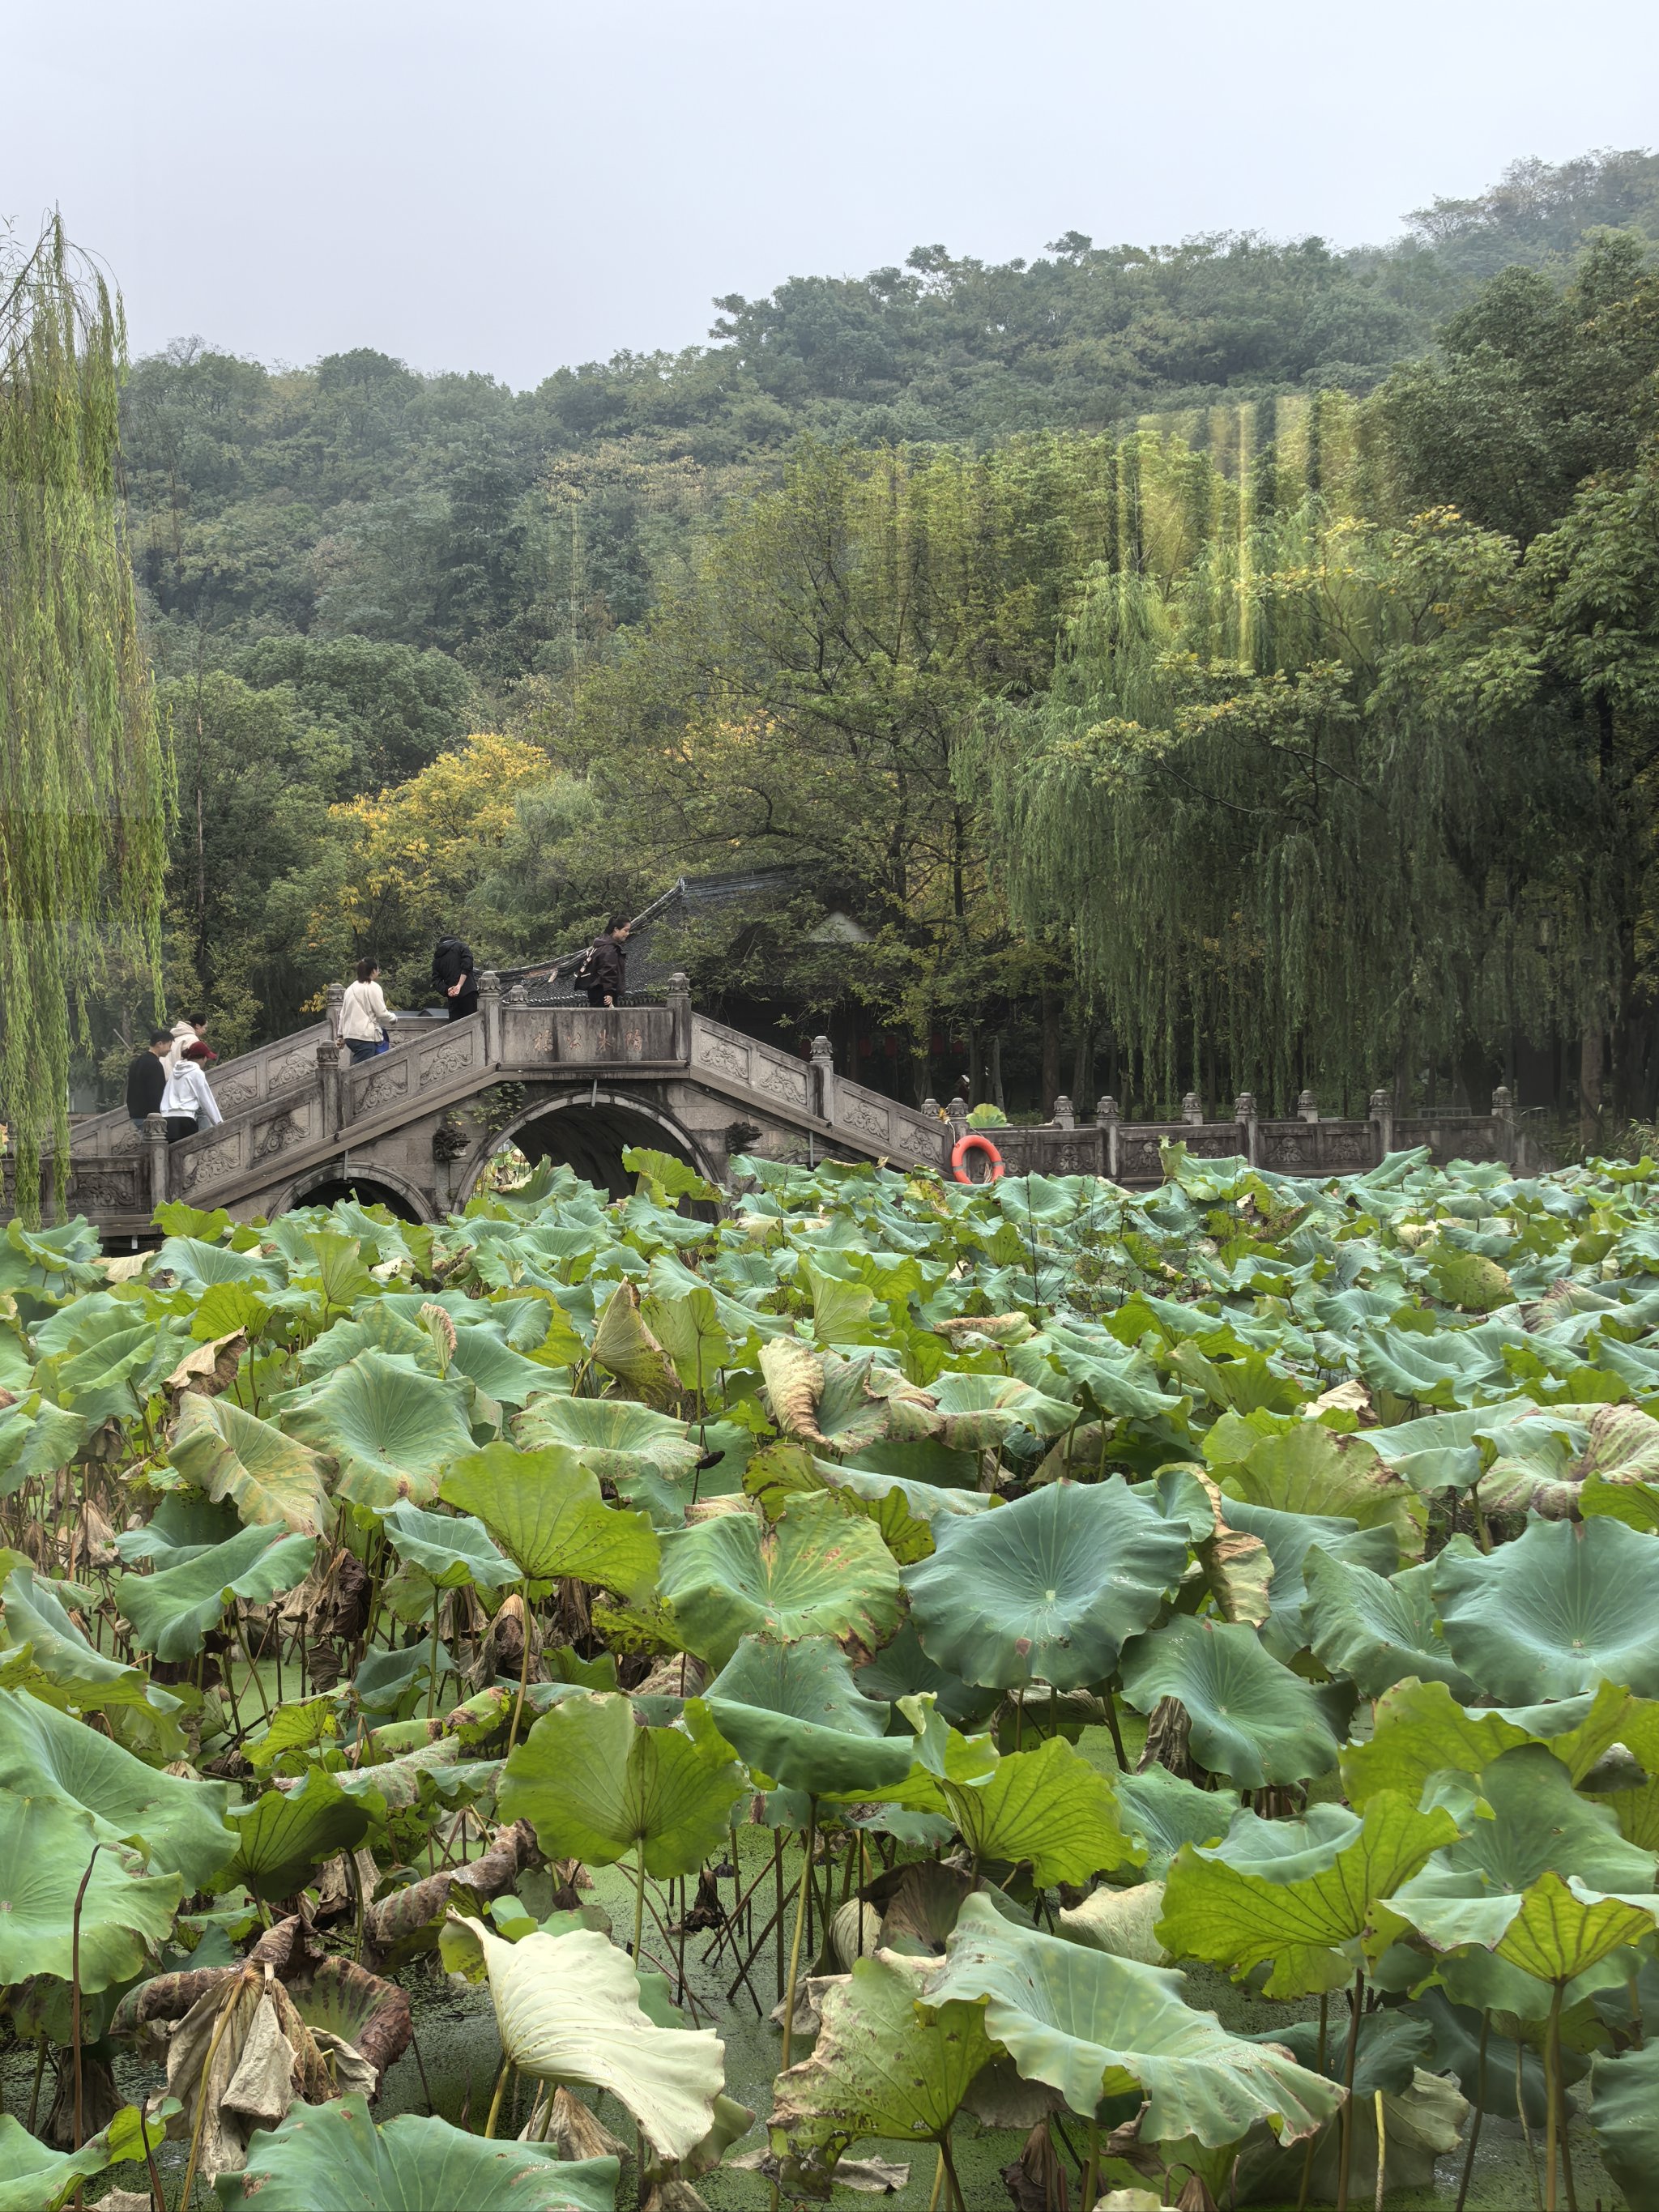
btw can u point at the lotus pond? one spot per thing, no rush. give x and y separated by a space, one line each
1032 1695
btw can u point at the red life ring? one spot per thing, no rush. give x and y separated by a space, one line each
973 1142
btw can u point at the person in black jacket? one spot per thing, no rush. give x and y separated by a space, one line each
452 973
604 971
147 1079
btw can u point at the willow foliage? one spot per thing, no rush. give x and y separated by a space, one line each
84 785
1267 795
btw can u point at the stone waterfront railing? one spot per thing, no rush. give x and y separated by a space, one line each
1309 1143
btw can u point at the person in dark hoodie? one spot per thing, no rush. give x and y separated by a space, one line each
452 973
147 1078
604 973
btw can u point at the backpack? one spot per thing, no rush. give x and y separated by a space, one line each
588 973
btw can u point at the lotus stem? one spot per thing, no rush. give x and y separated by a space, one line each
1382 2153
639 1899
219 2027
1526 2132
75 2001
777 1917
1553 2098
800 1922
939 2182
1091 2170
1479 2107
524 1664
1358 2001
1313 2137
432 1678
496 2101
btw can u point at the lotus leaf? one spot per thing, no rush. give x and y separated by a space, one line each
1047 1589
171 1611
594 1786
1162 1813
1378 1630
271 1479
1046 1806
45 1848
334 2155
449 1550
1252 1719
569 2010
981 1412
65 1670
1624 2116
1095 2026
176 1826
815 1572
1289 1538
625 1347
793 1715
544 1509
1240 1907
1567 1605
34 2177
285 1835
391 1429
1309 1469
880 2067
616 1438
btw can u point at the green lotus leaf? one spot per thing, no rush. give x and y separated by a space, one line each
1567 1605
595 1786
45 1848
1095 2026
333 2154
544 1509
1047 1589
171 1611
1295 1907
674 1177
902 1670
1123 1922
624 1348
36 1438
880 2067
1419 1731
271 1479
1546 1462
1312 1469
1563 1930
35 2178
569 2010
981 1412
1377 1631
1635 1504
1472 1890
1465 1279
1252 1719
793 1714
66 1668
450 1550
392 1429
614 1437
1624 2117
197 1265
816 1571
1442 1451
1048 1805
285 1834
178 1827
1162 1813
1289 1538
688 1327
110 1377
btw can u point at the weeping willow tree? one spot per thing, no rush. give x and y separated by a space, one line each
1291 792
84 790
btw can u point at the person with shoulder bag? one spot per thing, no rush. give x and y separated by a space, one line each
604 972
188 1100
365 1017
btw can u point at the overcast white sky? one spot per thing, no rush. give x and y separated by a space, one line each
511 184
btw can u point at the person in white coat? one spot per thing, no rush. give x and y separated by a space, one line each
365 1017
188 1029
188 1102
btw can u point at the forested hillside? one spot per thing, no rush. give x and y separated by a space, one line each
796 601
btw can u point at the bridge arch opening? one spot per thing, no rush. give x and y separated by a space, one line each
377 1187
588 1132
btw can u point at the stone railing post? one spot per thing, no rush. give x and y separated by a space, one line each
335 996
154 1142
1307 1107
823 1079
1380 1112
1062 1113
1245 1114
489 1005
679 1007
1106 1121
1192 1108
336 1101
1503 1114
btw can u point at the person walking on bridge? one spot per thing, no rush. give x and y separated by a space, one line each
188 1100
365 1016
454 975
147 1079
604 972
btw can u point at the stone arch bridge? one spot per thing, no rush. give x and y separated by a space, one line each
416 1127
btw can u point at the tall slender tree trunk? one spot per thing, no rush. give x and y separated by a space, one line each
1591 1051
1050 1049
